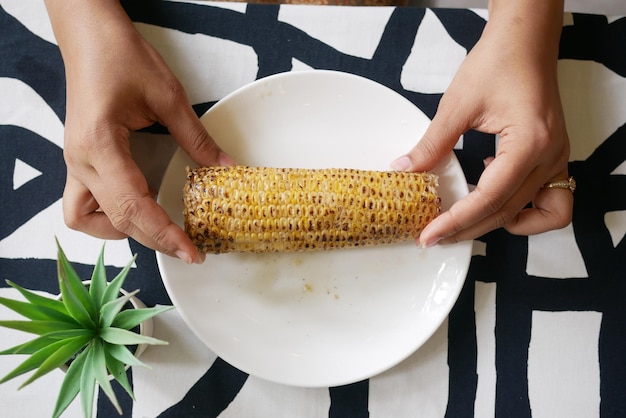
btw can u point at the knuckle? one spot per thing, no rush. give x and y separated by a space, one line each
495 206
121 223
82 148
562 219
455 225
200 141
72 220
171 90
504 217
128 210
541 132
76 148
160 237
491 201
549 142
72 214
72 158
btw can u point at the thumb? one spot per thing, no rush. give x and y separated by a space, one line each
442 134
191 135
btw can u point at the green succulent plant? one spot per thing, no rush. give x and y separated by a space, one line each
88 328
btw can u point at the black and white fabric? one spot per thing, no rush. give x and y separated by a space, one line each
540 327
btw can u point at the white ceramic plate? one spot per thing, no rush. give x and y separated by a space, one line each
321 318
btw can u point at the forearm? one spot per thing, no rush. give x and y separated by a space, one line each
532 26
98 42
80 24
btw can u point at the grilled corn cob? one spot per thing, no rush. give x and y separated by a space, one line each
252 209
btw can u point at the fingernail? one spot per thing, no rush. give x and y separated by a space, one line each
401 164
225 160
430 242
184 256
201 258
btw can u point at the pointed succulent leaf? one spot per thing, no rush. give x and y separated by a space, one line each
102 375
111 309
113 289
35 312
70 283
65 351
38 327
38 343
70 333
37 359
125 337
123 354
98 281
31 363
39 300
117 369
75 307
87 384
71 384
29 347
130 318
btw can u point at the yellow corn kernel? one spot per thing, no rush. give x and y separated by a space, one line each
259 209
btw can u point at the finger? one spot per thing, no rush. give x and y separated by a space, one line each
552 209
490 205
138 215
553 212
498 219
177 114
82 212
126 199
440 137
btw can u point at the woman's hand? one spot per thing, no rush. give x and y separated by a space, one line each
507 85
118 83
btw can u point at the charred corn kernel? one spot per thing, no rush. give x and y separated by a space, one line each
256 209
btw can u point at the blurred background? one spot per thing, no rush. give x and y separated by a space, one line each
607 7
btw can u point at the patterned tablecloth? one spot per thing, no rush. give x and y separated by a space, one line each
540 326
